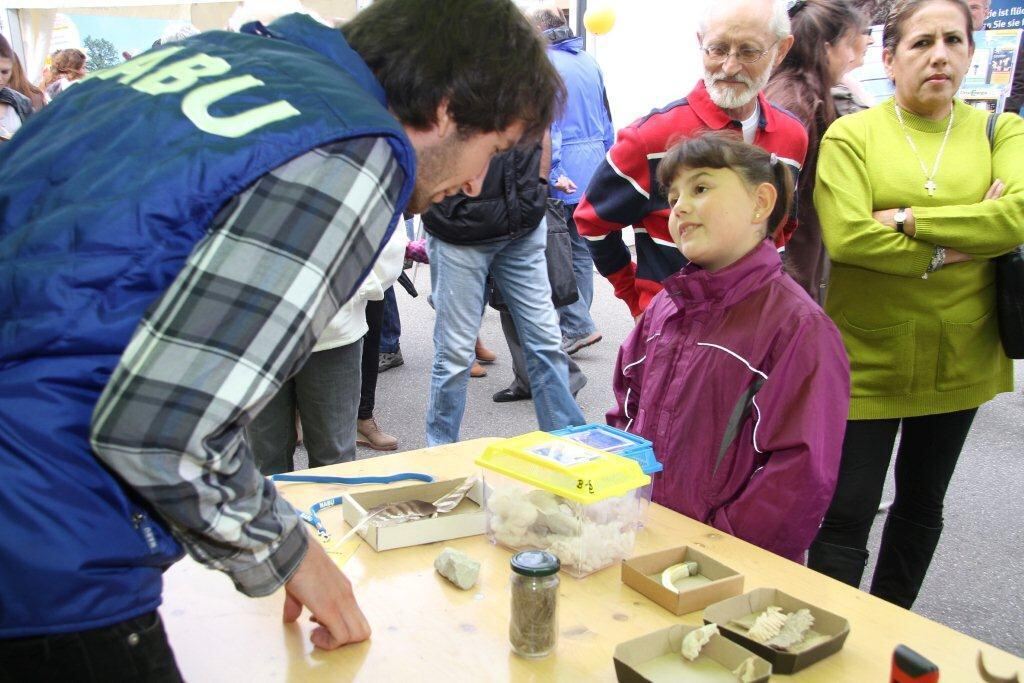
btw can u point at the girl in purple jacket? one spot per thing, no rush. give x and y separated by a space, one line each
738 378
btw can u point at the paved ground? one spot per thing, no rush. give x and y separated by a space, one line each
976 583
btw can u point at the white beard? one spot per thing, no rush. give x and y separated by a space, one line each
726 97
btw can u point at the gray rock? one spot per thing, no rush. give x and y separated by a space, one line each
457 567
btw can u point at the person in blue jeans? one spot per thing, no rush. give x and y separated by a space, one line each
579 140
390 334
502 232
390 352
391 323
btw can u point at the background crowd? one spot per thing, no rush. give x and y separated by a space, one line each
914 368
20 98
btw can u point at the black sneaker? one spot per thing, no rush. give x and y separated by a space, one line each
386 361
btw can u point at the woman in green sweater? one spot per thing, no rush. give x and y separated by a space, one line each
913 205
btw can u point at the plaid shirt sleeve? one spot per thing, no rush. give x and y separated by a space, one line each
240 319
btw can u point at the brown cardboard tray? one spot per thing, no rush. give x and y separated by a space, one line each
826 623
635 659
725 581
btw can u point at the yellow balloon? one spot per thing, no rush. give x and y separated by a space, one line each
599 20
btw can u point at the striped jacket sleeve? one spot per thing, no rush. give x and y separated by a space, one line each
619 195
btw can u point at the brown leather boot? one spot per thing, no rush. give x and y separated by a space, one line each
477 370
368 433
484 354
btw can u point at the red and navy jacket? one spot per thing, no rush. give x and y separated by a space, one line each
625 190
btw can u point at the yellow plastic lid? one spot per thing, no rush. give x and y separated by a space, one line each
564 467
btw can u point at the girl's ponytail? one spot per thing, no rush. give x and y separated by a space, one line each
782 179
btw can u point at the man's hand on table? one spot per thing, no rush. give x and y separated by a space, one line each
319 585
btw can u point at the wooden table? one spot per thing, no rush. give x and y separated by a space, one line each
425 629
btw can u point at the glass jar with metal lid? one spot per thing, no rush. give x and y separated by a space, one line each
533 625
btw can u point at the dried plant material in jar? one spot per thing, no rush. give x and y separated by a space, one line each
696 639
793 631
533 625
532 630
767 625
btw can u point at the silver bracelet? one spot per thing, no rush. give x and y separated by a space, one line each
938 260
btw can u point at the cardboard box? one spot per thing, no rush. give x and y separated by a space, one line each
725 582
835 627
467 519
634 659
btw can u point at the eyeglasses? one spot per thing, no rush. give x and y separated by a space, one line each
745 55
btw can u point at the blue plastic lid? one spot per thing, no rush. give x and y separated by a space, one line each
606 438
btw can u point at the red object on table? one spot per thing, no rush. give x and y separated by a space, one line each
910 667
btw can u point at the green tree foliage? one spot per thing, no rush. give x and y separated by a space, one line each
101 52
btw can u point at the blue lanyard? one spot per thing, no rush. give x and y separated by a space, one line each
313 518
320 479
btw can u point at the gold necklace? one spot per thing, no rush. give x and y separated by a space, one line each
929 178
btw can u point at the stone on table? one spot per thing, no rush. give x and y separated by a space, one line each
457 567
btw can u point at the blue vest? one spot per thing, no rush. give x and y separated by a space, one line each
103 195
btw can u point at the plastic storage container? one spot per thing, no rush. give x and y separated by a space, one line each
627 445
551 493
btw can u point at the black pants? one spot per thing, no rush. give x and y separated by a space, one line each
371 359
928 452
133 650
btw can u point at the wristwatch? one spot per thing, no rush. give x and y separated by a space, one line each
900 218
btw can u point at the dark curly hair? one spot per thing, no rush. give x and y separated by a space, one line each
481 56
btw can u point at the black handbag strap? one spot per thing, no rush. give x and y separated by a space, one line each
990 130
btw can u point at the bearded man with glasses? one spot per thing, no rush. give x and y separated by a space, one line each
741 41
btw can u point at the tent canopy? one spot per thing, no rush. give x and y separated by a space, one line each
35 17
120 6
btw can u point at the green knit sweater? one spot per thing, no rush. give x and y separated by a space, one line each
917 345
